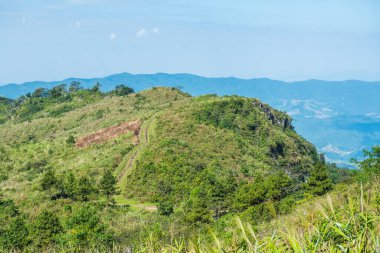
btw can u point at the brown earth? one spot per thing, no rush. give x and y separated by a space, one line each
110 133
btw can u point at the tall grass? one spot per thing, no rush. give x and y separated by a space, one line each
347 220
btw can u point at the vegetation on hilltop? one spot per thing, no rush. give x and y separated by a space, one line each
194 164
214 155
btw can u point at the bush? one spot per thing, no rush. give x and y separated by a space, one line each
84 229
46 228
70 140
165 208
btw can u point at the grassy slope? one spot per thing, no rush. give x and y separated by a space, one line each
184 145
29 148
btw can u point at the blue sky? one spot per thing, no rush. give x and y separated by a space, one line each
279 39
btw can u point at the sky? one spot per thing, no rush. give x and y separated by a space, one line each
280 39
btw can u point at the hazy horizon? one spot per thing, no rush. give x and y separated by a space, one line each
194 74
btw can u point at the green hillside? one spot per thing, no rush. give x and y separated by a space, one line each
216 148
83 170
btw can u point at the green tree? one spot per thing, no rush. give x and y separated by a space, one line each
371 165
107 184
277 186
96 87
84 188
197 207
57 91
122 90
7 209
70 140
165 208
40 93
49 181
85 228
75 86
13 230
319 181
46 228
16 236
70 185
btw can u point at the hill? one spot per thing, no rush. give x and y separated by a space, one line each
340 118
87 169
213 144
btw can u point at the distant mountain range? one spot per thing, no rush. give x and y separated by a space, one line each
340 118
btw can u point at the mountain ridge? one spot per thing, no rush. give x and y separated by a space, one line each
325 112
31 84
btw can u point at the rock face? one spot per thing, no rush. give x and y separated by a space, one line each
277 119
109 134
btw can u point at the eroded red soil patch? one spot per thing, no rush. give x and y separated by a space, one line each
109 134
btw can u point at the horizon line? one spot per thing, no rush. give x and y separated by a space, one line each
191 74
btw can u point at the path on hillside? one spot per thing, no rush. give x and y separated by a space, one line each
142 142
137 149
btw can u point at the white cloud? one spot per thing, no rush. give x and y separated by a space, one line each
373 115
332 149
156 31
77 25
142 33
112 36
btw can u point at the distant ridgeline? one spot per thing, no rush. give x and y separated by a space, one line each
340 118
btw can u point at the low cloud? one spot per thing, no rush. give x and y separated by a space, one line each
332 149
156 31
145 33
112 36
142 33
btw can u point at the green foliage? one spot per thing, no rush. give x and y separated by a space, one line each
70 140
96 87
319 181
339 175
57 101
166 208
251 196
75 86
49 181
345 221
8 209
122 90
15 237
220 145
85 188
197 207
70 185
46 228
4 109
107 184
371 165
84 229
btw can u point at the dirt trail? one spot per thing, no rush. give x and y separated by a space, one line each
137 150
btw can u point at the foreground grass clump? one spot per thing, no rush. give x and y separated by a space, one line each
346 220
